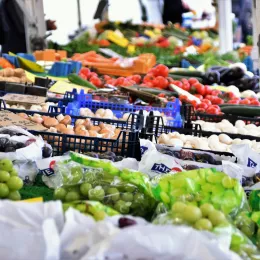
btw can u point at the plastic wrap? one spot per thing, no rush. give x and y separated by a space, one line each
74 181
30 230
201 186
207 218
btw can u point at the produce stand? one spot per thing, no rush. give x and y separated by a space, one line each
133 152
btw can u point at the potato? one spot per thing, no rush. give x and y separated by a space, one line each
13 79
19 73
8 72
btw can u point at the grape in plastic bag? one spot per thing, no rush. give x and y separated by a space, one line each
201 186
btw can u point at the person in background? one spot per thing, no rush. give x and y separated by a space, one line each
173 10
243 11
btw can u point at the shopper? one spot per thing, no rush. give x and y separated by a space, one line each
243 12
173 10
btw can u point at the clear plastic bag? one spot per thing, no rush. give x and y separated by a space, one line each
201 186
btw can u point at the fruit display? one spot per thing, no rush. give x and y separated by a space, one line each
13 75
76 182
10 183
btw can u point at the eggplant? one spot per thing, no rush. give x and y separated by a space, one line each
212 77
231 75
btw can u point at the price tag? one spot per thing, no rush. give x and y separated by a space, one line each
20 98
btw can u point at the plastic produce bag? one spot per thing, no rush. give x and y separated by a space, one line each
154 242
30 230
206 218
75 181
201 186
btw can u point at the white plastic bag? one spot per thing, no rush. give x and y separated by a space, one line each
30 230
157 242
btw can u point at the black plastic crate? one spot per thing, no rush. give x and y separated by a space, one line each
133 122
127 144
190 115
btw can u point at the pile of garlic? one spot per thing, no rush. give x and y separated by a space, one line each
221 143
225 126
44 107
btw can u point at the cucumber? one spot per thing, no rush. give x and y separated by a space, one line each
155 91
189 73
241 110
179 77
75 79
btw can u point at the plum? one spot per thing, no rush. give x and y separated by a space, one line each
46 152
92 154
3 143
126 222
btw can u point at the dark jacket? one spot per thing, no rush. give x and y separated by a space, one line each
12 29
172 11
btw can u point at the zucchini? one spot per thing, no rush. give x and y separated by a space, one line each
155 91
75 79
241 110
189 73
179 77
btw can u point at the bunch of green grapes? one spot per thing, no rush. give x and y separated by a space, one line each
205 217
123 198
10 183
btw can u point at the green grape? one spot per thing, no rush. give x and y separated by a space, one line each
203 224
178 207
113 194
81 208
192 214
6 165
72 196
73 188
127 196
139 198
84 188
212 178
217 217
14 195
13 172
122 206
248 230
14 183
96 194
129 188
228 182
206 209
4 176
76 174
99 215
59 194
164 197
4 190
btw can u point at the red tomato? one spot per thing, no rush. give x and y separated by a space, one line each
161 70
209 97
106 77
217 107
208 90
92 74
202 105
160 82
194 103
85 71
120 81
217 101
83 76
244 102
148 84
170 80
183 98
200 97
111 82
233 101
137 78
148 78
206 101
178 83
231 95
212 110
252 98
255 102
193 81
96 81
215 92
186 87
185 81
200 89
201 110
